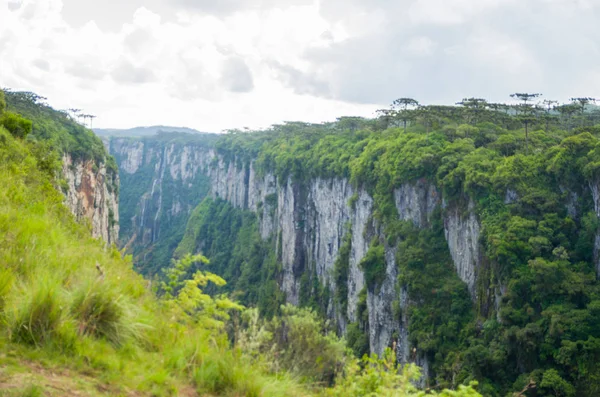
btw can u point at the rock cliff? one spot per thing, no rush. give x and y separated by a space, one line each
92 196
162 182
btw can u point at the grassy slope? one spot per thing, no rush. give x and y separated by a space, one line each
60 314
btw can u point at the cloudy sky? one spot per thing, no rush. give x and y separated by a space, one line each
218 64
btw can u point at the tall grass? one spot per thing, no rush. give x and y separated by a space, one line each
38 318
101 312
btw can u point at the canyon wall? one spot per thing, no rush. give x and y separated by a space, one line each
310 220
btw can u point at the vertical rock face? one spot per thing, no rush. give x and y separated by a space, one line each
360 217
416 202
382 322
92 196
462 232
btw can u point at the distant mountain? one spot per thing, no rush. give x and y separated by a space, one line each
143 131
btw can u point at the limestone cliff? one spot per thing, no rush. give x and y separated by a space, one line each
92 196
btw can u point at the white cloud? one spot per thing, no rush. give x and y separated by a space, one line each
222 64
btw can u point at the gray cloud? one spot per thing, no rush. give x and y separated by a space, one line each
109 14
42 64
222 7
126 73
452 49
302 83
236 76
84 70
14 5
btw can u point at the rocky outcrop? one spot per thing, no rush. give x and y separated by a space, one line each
92 196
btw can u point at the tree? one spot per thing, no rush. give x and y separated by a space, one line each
525 97
88 116
187 298
473 108
427 115
350 123
74 113
548 106
582 102
386 116
91 117
526 113
403 109
566 112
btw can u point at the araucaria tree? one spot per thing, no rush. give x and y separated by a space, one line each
404 109
526 112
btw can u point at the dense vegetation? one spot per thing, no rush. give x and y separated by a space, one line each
230 238
527 172
57 128
75 318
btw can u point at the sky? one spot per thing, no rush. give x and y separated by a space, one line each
213 65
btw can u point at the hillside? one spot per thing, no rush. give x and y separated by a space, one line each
466 240
89 175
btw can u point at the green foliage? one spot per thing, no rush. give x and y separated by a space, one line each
341 268
373 264
229 237
56 128
373 376
298 341
553 385
18 126
187 296
357 339
439 325
526 183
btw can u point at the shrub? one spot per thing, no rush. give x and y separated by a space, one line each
373 264
297 341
